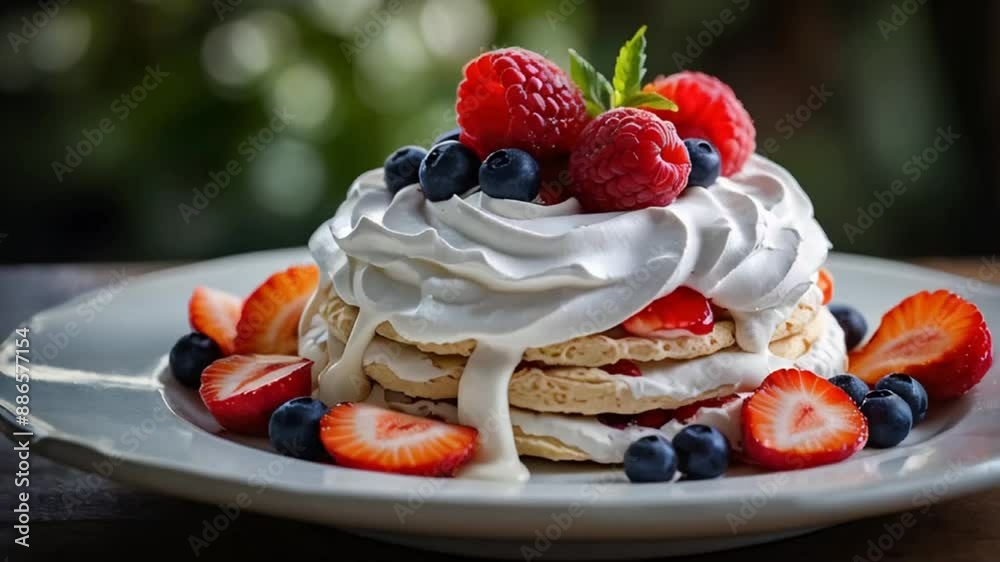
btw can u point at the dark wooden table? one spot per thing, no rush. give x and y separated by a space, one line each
73 517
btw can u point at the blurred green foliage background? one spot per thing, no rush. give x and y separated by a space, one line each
172 95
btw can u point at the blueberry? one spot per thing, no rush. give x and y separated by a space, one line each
510 173
910 390
189 357
650 459
294 429
705 162
852 322
889 418
852 385
452 135
702 452
402 168
450 168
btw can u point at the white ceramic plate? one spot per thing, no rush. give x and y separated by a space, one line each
99 401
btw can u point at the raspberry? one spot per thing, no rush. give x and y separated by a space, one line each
628 159
557 182
709 110
514 98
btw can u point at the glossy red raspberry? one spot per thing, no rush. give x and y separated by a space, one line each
627 159
514 98
708 110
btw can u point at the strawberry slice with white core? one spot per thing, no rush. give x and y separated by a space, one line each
242 391
796 419
938 338
373 438
215 314
269 322
681 313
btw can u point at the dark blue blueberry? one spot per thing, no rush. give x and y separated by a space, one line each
702 452
452 135
853 386
510 173
650 459
889 418
450 168
402 168
189 357
705 162
910 390
294 429
852 322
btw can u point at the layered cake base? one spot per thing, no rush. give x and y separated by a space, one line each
588 398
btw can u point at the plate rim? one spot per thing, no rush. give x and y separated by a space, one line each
52 442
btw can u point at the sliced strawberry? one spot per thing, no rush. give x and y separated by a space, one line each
372 438
269 322
685 413
684 310
825 283
938 338
654 418
796 419
215 314
650 418
623 367
617 421
242 391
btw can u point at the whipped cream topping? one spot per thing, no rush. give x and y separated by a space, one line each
518 274
514 275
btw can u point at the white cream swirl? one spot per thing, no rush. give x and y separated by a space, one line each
514 275
519 274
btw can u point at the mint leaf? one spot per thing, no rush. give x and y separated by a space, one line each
630 68
596 88
651 100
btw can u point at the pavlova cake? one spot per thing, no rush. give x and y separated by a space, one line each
585 270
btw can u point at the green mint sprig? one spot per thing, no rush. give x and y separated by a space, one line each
597 91
601 95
